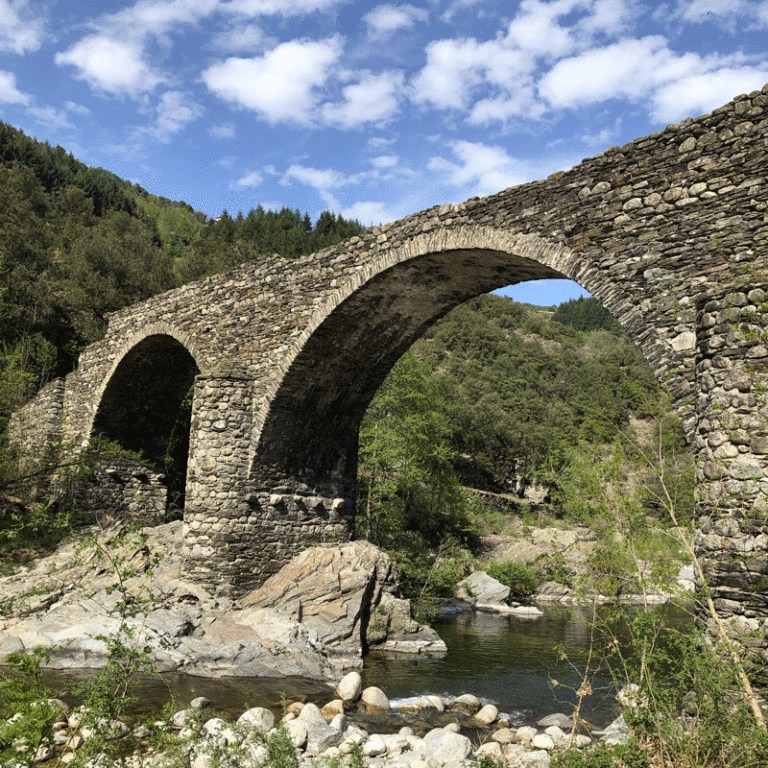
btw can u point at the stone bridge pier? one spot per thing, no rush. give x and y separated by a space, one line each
241 526
668 232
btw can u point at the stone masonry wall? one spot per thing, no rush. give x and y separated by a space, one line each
36 430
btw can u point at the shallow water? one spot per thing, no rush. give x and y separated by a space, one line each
511 662
506 660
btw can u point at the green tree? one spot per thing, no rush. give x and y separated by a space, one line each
410 486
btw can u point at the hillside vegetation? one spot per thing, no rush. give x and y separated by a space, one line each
497 397
77 243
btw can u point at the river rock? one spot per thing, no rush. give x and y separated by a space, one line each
558 719
479 587
321 736
258 717
551 591
615 733
467 703
543 741
430 702
375 746
310 713
525 734
537 759
558 736
491 749
297 732
375 700
333 708
331 590
487 714
445 747
350 687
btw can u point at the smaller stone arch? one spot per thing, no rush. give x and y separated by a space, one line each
140 411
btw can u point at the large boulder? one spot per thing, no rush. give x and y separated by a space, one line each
346 595
481 589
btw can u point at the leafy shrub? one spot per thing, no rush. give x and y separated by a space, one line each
522 579
603 755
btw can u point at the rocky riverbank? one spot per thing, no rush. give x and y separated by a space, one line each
440 734
313 619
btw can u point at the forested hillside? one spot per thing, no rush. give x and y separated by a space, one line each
77 243
499 395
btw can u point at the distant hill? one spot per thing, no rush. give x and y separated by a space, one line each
77 243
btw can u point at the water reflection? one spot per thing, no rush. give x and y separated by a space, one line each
508 661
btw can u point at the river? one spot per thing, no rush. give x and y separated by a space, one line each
505 660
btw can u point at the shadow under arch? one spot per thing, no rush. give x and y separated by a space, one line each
310 428
140 404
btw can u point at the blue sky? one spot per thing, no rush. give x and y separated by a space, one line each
372 110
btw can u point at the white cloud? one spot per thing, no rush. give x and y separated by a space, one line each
19 30
240 39
730 14
494 80
175 110
522 102
453 69
51 117
385 161
535 27
224 131
628 69
609 17
9 93
481 169
697 11
280 85
602 138
696 94
324 181
388 18
112 65
77 109
376 142
456 70
252 179
368 213
674 85
374 99
153 18
278 7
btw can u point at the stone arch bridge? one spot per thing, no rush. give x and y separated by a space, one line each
668 232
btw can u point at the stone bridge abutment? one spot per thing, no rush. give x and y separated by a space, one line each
668 232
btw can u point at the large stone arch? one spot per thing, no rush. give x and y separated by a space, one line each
306 434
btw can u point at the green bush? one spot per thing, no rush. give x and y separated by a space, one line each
603 755
522 579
